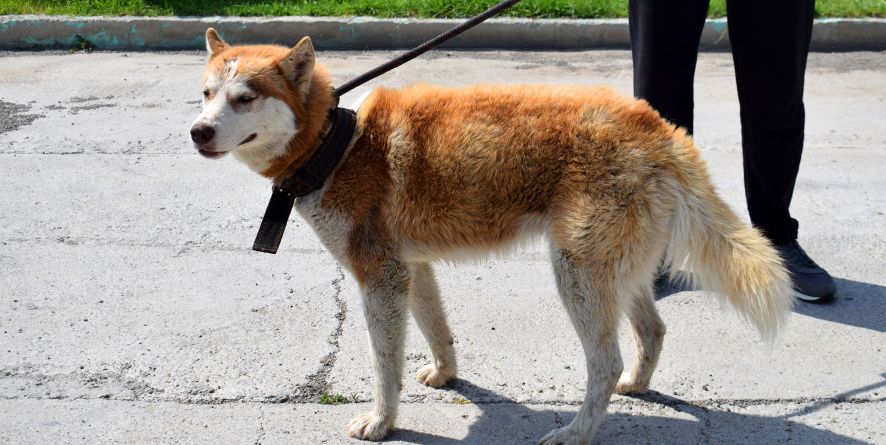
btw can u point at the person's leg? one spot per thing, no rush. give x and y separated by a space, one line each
770 42
664 45
769 50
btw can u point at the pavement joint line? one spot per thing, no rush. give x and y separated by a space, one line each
318 383
704 404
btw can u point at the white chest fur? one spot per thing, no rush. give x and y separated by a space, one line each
332 227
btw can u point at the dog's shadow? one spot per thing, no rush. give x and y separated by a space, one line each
504 421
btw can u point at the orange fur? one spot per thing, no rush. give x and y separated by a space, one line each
260 64
459 168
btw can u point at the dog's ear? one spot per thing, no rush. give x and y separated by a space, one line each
214 43
298 66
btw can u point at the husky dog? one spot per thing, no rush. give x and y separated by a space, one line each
442 173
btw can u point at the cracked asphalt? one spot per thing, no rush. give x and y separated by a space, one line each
132 309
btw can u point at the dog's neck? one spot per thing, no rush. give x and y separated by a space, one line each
312 118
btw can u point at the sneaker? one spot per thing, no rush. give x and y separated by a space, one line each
811 282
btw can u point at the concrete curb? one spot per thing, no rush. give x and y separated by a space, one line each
28 32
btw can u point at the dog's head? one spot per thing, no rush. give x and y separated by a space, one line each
255 102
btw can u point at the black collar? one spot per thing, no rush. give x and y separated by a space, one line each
307 179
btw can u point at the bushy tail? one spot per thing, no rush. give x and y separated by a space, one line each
723 254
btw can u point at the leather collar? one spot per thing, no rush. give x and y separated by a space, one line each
307 179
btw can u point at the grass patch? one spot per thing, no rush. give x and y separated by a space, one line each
83 44
337 399
382 8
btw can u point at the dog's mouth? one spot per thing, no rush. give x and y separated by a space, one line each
211 154
249 139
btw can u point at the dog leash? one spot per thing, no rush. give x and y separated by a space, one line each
311 177
423 48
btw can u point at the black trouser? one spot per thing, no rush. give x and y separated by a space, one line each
770 41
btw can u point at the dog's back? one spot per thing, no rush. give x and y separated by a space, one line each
474 168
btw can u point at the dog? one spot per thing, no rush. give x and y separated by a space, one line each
437 173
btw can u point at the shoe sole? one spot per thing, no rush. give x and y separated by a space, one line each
810 299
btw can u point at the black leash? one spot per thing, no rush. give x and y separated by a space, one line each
314 173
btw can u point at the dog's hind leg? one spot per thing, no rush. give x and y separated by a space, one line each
427 309
384 289
649 333
591 300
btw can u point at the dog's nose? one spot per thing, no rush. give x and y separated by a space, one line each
202 134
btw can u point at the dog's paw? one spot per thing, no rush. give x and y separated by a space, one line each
369 426
563 436
627 385
434 377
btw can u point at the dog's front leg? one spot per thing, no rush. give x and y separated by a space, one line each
384 290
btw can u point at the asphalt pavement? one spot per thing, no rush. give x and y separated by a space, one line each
132 309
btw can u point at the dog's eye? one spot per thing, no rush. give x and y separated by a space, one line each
206 94
245 99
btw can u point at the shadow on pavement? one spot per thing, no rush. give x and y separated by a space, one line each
857 304
504 421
